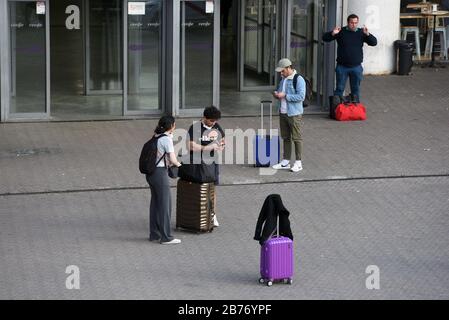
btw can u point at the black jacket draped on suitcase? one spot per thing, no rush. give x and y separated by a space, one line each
272 209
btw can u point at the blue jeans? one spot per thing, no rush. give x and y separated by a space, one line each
355 75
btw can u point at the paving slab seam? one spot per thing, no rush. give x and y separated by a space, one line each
233 184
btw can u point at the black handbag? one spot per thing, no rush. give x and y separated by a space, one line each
173 172
193 171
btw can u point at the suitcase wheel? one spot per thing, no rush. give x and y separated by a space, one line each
288 281
269 283
261 280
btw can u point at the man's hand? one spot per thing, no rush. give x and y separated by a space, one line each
365 30
336 31
214 146
281 95
217 147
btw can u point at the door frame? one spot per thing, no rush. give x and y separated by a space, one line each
333 11
6 63
175 66
4 47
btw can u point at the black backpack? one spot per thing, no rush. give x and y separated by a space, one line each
147 160
309 92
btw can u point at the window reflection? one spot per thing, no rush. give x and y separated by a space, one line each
144 54
260 42
105 45
28 58
197 39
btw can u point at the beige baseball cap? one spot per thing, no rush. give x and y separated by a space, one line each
283 63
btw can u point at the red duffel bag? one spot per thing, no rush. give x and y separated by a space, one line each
350 112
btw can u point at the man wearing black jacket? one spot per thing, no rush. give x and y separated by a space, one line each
350 40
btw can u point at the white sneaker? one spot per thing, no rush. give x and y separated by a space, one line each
216 224
174 241
284 164
296 167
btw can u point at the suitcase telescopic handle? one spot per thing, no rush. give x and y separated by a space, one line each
270 103
276 231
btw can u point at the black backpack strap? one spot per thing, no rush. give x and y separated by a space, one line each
163 156
295 80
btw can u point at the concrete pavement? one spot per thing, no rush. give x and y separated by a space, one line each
371 193
340 229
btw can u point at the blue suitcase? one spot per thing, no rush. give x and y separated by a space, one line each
267 147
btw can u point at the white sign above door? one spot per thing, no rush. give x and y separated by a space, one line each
40 7
209 6
136 8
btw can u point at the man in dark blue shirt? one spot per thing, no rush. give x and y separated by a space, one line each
350 40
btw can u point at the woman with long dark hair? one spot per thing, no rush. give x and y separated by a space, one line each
160 207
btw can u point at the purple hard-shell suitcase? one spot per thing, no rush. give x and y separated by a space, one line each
276 260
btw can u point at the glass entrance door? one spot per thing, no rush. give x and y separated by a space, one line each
104 47
86 59
305 48
199 30
144 57
260 31
28 57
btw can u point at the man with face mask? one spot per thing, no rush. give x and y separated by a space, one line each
350 40
207 137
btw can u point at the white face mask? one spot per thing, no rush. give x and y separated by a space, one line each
170 135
